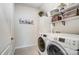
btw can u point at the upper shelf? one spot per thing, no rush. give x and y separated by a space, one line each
68 8
67 19
71 7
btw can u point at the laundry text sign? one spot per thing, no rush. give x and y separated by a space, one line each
25 21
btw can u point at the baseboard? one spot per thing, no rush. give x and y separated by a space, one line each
23 46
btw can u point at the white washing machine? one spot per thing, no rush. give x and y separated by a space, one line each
63 44
42 44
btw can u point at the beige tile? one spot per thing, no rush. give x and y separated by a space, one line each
27 51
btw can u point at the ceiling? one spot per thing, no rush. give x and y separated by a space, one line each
34 5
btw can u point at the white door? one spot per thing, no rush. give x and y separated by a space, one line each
8 9
5 37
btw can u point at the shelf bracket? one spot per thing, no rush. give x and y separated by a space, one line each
53 24
63 22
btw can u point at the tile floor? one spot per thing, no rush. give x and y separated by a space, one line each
27 51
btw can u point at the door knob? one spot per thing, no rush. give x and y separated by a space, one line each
12 38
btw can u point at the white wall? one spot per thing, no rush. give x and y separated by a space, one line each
71 26
25 34
49 6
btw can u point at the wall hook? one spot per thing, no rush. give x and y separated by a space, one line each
53 24
63 22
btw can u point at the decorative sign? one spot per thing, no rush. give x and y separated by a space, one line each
25 21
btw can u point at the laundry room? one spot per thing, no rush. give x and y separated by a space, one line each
39 29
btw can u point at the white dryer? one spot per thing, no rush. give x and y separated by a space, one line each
63 44
42 44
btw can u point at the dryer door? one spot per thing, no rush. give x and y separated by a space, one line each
41 44
55 49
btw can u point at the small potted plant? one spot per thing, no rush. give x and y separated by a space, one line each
41 13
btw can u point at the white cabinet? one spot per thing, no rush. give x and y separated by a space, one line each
45 24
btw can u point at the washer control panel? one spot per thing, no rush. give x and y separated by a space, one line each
62 39
69 42
44 35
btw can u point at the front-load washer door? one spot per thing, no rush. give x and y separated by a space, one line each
41 44
55 49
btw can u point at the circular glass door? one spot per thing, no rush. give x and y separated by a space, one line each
41 44
55 49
